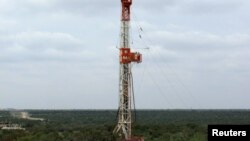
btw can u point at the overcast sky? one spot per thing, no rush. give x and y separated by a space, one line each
61 54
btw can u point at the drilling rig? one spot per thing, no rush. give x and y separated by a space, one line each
123 127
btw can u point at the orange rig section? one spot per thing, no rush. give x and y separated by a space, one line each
127 57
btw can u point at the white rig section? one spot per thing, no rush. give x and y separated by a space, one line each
124 112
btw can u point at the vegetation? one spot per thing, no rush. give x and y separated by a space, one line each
86 125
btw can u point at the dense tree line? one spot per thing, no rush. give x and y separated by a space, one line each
161 125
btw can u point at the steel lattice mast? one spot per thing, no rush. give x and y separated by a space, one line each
123 127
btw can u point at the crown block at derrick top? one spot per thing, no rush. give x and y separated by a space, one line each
127 2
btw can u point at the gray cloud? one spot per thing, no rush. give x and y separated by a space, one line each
209 7
35 46
64 53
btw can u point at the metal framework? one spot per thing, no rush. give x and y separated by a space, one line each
123 127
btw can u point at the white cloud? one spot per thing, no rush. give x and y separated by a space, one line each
200 40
